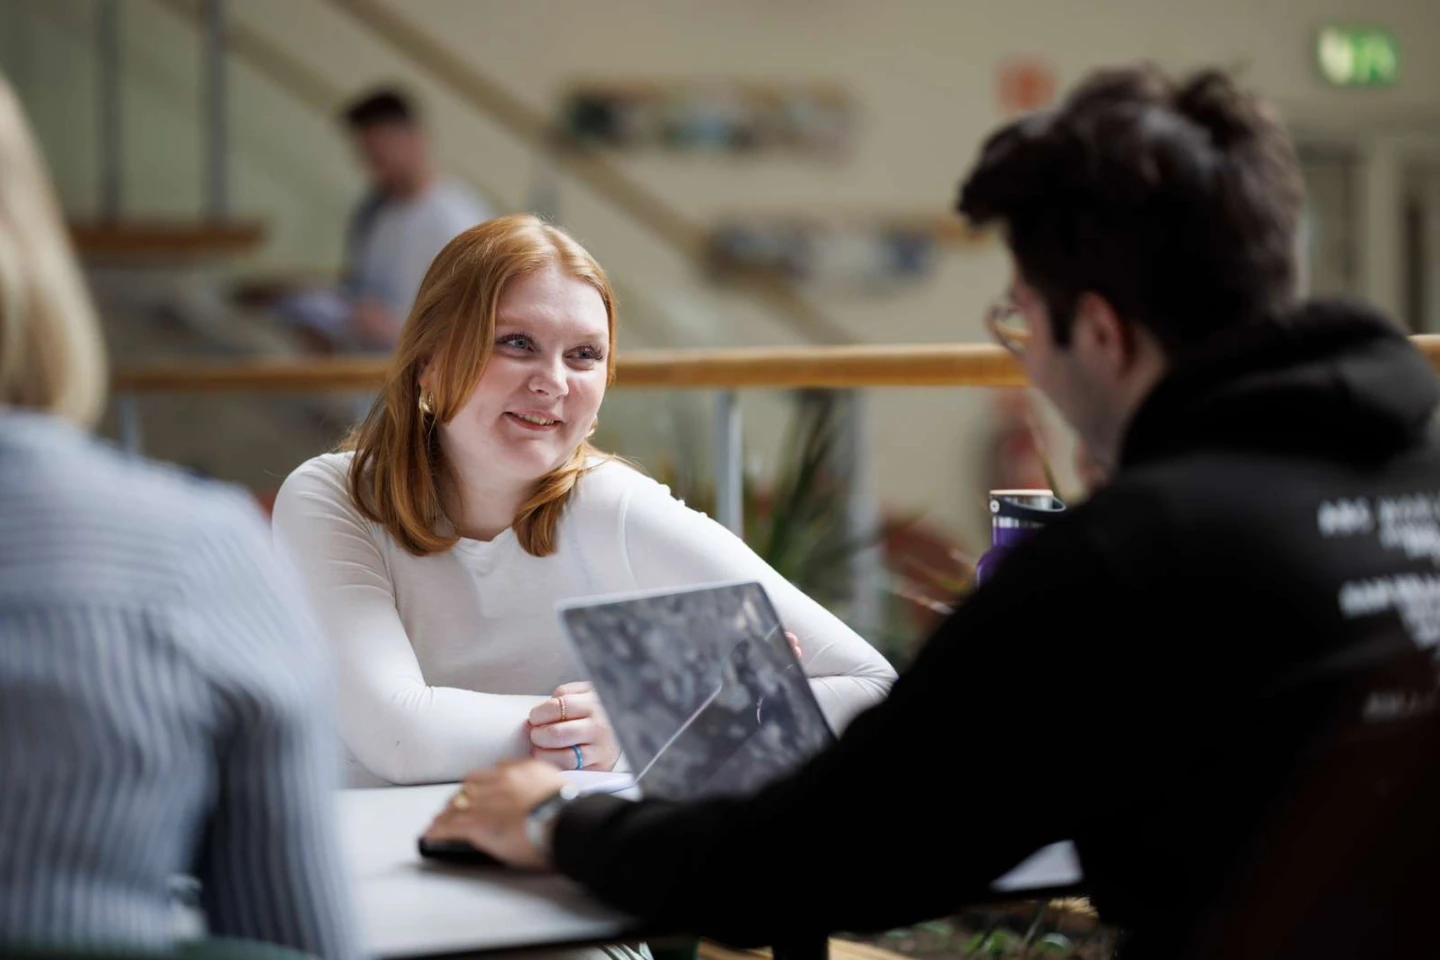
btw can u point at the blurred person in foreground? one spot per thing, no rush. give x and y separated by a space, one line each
410 212
159 683
1239 626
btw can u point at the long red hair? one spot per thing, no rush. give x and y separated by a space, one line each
398 474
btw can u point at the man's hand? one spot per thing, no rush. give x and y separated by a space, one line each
490 808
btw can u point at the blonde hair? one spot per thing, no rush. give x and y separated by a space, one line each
52 357
398 474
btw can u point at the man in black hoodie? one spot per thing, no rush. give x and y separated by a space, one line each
1226 657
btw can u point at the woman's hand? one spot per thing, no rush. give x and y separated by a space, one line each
573 718
795 645
571 732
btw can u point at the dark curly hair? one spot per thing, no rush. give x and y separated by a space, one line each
1178 202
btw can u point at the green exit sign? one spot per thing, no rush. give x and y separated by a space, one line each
1357 56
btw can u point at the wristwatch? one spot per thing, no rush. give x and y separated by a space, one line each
540 821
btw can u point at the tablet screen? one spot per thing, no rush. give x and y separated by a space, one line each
701 686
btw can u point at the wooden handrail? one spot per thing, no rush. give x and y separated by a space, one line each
939 364
928 365
848 367
141 240
533 127
972 365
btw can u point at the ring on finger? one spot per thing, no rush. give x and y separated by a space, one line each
579 757
461 800
561 701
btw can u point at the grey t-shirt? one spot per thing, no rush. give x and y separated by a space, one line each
403 236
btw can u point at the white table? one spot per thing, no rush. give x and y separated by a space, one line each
410 907
1050 868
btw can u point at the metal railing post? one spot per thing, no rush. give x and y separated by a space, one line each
109 104
217 106
729 463
132 439
862 516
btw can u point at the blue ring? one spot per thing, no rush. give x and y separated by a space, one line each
579 757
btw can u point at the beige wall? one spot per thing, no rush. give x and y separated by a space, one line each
287 169
922 71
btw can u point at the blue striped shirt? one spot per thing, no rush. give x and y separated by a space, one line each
163 709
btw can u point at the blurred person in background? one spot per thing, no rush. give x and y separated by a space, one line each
409 214
1240 626
1091 475
161 689
1017 453
470 501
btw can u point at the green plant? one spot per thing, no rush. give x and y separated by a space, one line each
804 530
800 524
939 591
993 943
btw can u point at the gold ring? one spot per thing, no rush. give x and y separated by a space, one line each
461 801
562 708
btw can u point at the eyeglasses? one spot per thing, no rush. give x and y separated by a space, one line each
1008 326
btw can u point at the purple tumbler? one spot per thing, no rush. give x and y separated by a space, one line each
1014 515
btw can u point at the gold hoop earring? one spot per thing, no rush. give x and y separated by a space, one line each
427 402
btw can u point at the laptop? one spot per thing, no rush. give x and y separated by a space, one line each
701 686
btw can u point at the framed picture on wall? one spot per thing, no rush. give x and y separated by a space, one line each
858 251
712 116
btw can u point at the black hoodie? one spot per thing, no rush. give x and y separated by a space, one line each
1162 677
